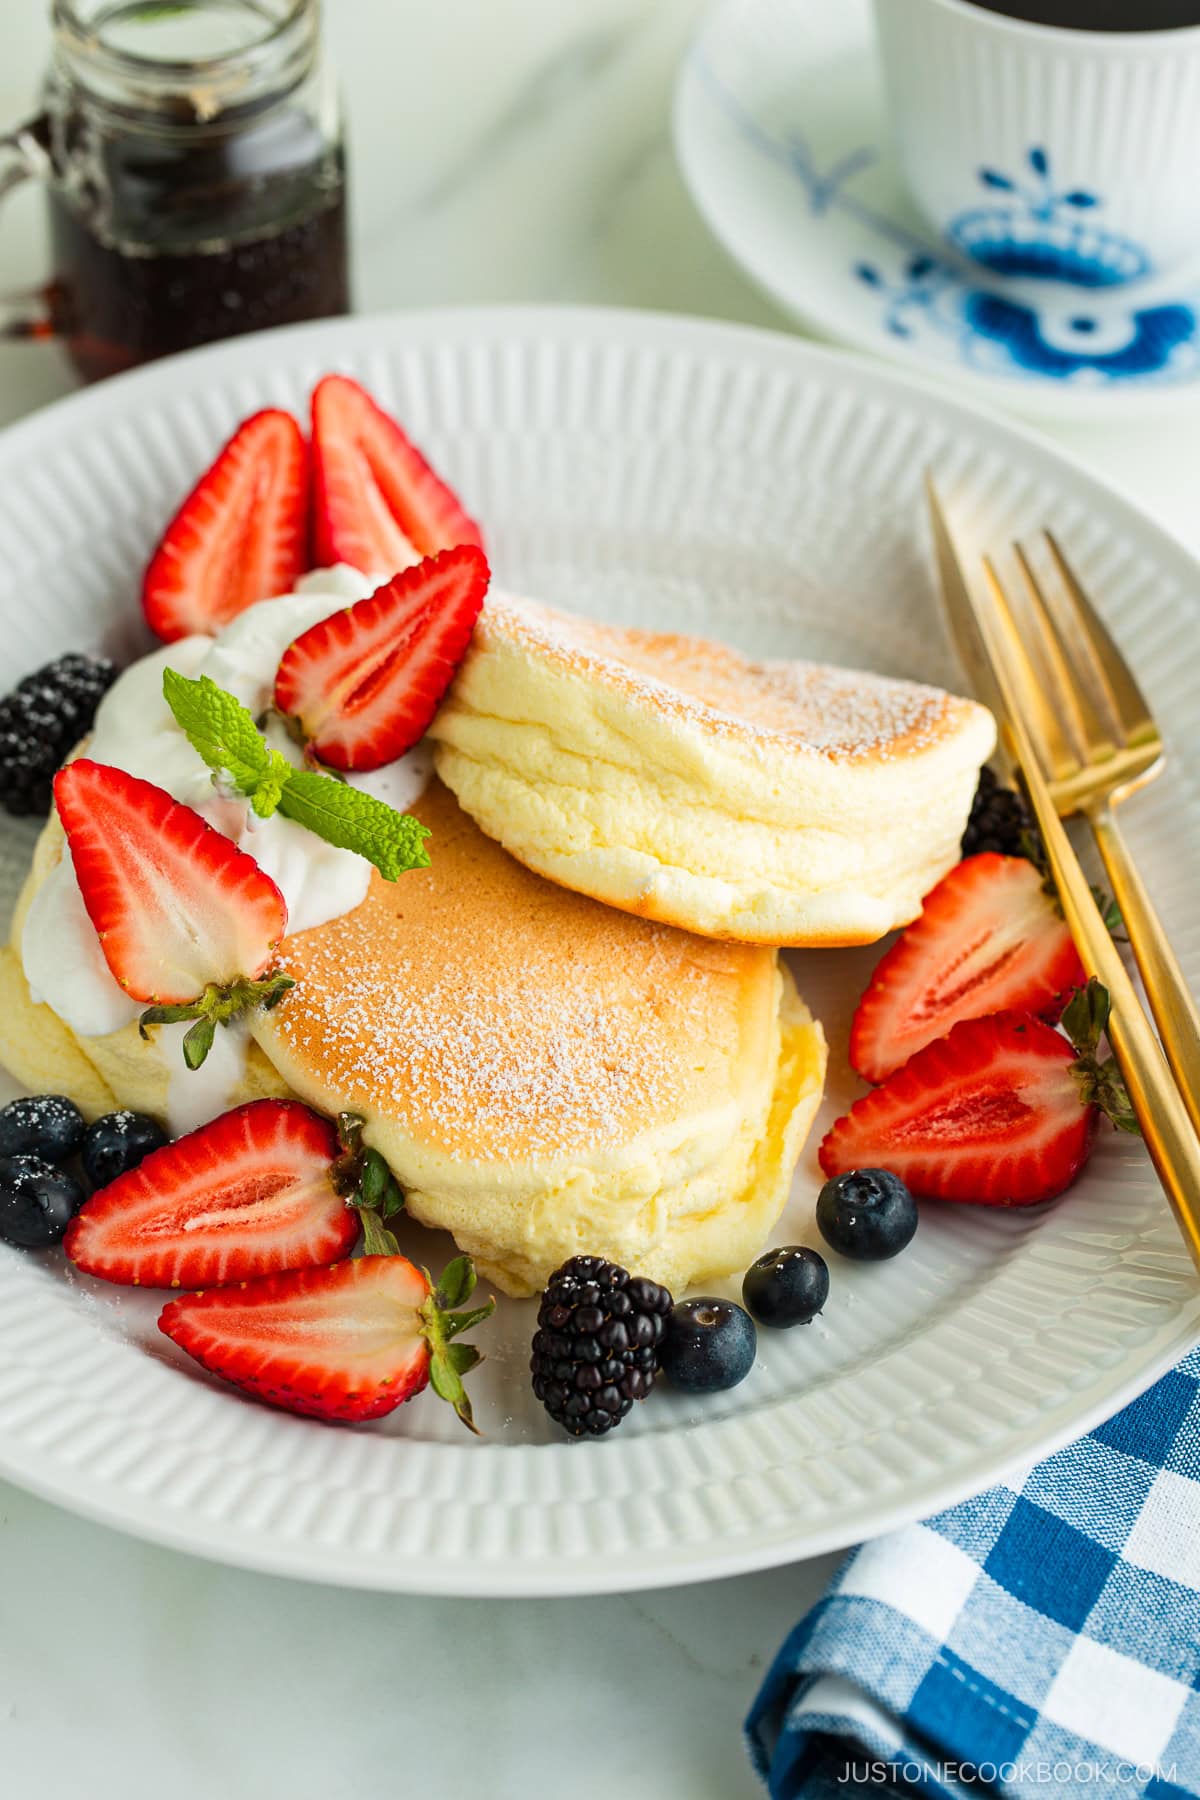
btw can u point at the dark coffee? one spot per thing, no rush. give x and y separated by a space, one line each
1099 15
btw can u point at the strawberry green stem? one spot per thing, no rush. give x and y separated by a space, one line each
1085 1020
450 1361
363 1179
215 1006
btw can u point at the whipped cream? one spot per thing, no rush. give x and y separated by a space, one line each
135 730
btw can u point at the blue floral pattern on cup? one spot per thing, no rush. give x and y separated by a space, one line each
1044 232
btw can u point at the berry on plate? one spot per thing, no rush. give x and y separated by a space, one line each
1000 821
989 939
37 1202
867 1214
41 722
595 1350
186 920
377 504
45 1125
786 1287
252 1192
1002 1111
117 1142
238 537
709 1345
348 1342
362 686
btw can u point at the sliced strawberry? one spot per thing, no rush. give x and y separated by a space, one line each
248 1194
377 504
186 920
364 684
989 939
349 1342
995 1112
238 537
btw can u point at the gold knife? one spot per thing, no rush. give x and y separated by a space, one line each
982 631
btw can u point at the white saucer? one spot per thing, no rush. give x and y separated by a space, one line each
781 135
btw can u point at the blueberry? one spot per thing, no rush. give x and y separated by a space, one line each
37 1202
45 1125
709 1344
117 1143
786 1287
868 1214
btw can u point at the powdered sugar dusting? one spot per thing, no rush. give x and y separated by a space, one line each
498 1016
813 708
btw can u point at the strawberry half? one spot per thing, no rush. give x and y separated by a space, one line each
1001 1111
362 686
186 920
377 504
989 939
238 537
350 1342
252 1192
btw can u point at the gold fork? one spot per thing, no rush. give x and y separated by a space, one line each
1098 743
986 633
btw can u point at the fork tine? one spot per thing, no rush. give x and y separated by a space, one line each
1096 730
1060 750
1125 696
1054 753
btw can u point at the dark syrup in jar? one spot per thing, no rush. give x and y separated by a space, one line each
174 239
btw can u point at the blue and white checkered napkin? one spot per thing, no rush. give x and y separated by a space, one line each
1044 1637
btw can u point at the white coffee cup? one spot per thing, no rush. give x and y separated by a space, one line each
1041 152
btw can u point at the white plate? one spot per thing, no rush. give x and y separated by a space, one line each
692 475
782 137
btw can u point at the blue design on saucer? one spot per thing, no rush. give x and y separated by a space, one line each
931 299
1156 333
913 291
1045 233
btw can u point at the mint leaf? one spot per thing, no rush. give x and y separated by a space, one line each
218 727
222 731
352 820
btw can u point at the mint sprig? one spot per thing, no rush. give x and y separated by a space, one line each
346 816
223 732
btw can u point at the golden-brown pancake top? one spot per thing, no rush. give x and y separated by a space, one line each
815 708
498 1016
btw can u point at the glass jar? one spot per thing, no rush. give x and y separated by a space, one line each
194 170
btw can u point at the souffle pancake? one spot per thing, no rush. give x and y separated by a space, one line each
781 802
546 1075
542 1073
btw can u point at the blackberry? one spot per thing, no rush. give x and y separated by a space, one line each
1000 821
596 1347
41 721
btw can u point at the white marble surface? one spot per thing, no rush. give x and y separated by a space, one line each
502 150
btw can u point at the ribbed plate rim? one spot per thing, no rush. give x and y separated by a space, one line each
46 1474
